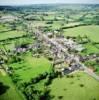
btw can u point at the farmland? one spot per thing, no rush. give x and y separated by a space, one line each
40 47
65 88
10 92
91 31
32 66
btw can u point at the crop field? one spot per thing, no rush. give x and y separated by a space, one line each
78 87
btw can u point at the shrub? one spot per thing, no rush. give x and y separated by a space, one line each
81 85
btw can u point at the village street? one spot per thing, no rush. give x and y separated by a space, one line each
64 51
90 72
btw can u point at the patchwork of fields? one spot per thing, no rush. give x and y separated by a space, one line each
61 87
31 67
29 72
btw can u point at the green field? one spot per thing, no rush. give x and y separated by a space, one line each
30 74
92 31
10 44
3 28
12 37
10 91
90 48
31 67
11 34
71 89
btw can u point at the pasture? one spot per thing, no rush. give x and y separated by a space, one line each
79 87
31 67
8 90
92 31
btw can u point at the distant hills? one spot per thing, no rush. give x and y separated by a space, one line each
45 7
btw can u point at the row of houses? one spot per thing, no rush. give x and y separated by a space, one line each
59 48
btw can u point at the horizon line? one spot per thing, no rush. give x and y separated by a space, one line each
48 4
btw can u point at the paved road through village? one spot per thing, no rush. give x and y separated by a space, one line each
65 52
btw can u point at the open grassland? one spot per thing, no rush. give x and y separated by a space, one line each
3 28
79 87
56 24
11 34
9 91
7 32
90 48
92 31
31 67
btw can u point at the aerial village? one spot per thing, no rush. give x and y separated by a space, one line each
40 57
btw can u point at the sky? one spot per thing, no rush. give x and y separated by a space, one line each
22 2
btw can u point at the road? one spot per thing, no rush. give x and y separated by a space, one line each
53 42
90 72
65 52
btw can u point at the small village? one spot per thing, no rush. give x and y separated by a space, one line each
49 52
60 48
64 60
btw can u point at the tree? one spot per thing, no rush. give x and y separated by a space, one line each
79 38
45 95
13 26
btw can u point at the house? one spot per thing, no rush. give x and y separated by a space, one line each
50 35
8 18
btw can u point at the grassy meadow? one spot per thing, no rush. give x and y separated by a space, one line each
27 67
92 31
31 67
79 87
10 91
